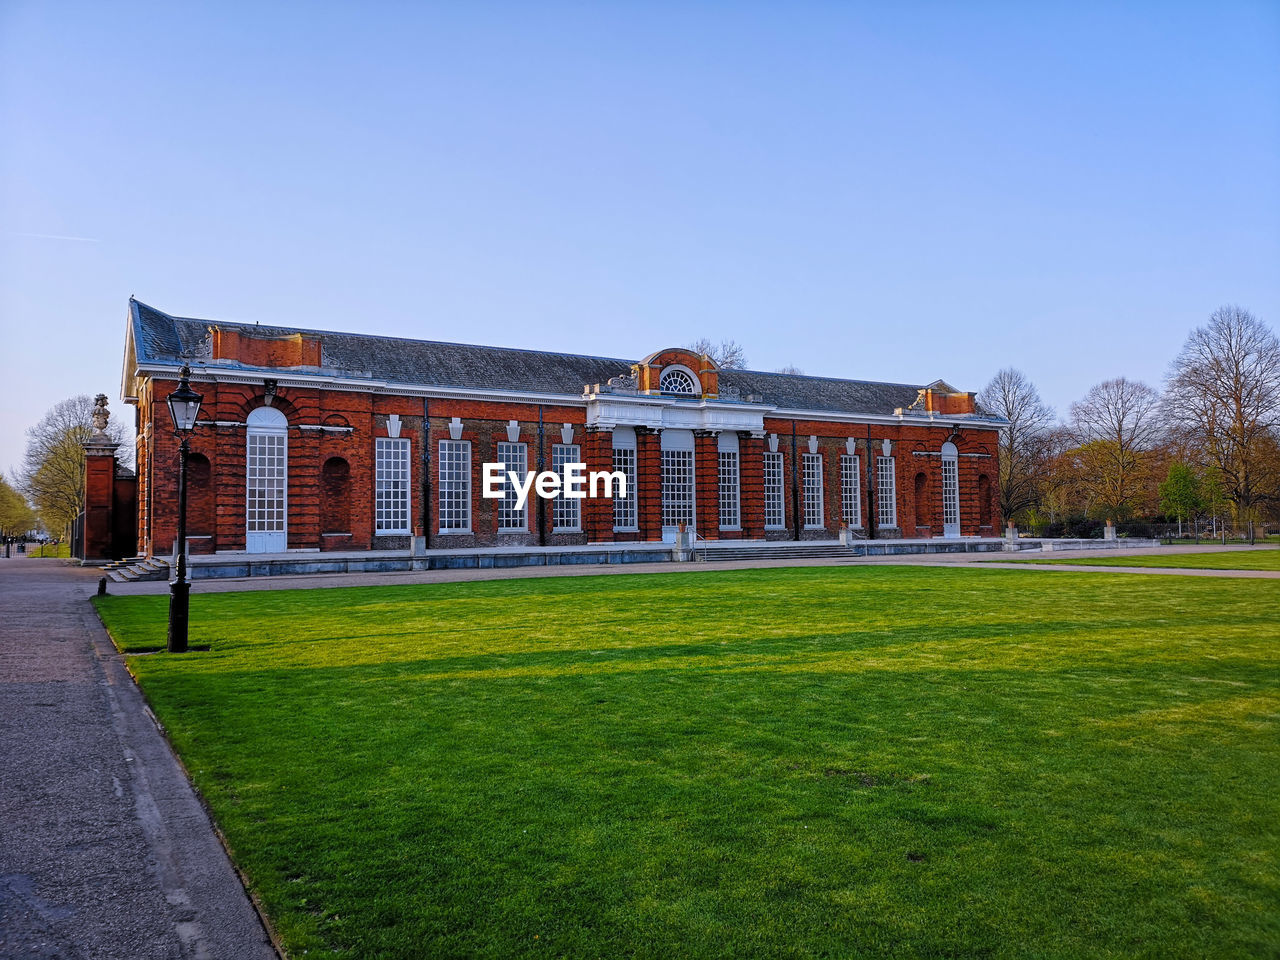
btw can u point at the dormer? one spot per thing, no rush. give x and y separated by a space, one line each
678 372
237 345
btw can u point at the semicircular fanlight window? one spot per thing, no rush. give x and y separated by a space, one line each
677 381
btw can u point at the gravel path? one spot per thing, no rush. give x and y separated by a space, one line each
105 852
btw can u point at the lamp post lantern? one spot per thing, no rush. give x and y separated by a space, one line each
184 407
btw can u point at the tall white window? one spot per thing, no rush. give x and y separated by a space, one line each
677 487
624 508
391 485
266 481
514 459
729 508
813 491
677 480
566 513
728 476
950 491
886 493
850 490
774 509
455 486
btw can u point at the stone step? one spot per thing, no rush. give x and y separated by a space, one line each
144 569
778 551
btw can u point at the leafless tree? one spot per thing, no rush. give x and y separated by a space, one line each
790 368
52 473
727 353
1223 392
1116 426
1023 445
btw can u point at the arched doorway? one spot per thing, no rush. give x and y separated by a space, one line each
950 490
266 481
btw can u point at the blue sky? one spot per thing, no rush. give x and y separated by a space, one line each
892 191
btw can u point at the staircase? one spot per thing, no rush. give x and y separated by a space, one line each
137 569
775 550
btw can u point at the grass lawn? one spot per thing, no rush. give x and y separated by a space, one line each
1219 560
813 762
62 550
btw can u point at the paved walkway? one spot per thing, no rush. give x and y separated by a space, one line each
105 852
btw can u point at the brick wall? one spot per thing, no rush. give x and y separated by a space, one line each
331 456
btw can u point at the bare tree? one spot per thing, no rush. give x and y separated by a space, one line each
1116 426
52 473
790 368
1223 391
1023 444
728 354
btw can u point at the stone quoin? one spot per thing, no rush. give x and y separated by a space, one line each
312 440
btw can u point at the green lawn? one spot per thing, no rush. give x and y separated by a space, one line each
1267 559
817 762
62 550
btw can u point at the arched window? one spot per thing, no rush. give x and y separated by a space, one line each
676 380
950 490
266 481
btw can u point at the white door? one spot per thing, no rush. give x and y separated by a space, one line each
266 482
677 482
950 491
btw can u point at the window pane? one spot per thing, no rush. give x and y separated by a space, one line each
455 484
513 458
729 507
813 491
566 513
774 509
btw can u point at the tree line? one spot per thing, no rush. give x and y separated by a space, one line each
1207 445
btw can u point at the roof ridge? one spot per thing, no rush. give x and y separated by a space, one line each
381 336
811 376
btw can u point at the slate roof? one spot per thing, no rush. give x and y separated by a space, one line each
162 338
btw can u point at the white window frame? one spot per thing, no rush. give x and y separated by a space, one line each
266 481
813 501
679 493
392 509
453 466
686 376
886 493
730 496
775 504
514 458
566 512
626 517
851 489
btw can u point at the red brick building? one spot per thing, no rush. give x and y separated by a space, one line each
313 440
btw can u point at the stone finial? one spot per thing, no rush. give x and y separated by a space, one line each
100 413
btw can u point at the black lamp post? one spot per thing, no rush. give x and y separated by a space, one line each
184 407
